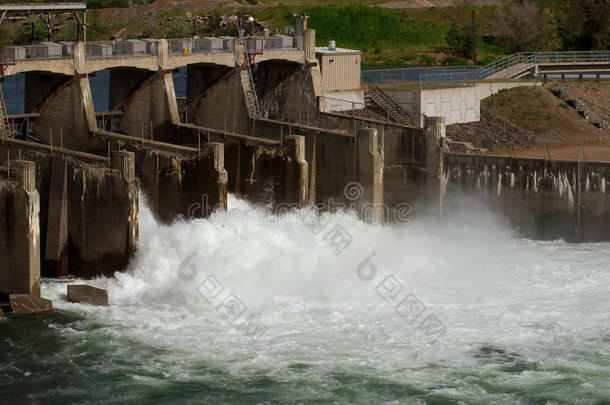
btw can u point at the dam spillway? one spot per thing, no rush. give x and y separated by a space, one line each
269 133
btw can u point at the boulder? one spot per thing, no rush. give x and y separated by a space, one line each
29 304
575 103
85 294
586 114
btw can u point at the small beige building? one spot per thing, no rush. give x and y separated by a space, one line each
340 70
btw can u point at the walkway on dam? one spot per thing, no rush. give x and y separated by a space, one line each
69 58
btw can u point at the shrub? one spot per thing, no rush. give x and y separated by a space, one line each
456 61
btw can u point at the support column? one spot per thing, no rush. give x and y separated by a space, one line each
125 163
19 230
56 245
296 172
369 174
434 132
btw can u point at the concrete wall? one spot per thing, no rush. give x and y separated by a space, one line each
292 99
457 104
200 78
268 174
176 184
223 105
88 211
123 81
543 199
343 101
67 109
152 102
19 230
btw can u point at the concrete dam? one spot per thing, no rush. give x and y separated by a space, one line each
270 120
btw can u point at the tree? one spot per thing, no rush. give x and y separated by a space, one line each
523 27
460 39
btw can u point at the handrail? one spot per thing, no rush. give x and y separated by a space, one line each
512 64
390 101
532 58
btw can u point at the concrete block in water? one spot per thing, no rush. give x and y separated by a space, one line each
29 304
86 294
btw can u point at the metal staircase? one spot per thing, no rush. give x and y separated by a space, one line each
374 95
247 80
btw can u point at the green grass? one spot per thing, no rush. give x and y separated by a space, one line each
387 37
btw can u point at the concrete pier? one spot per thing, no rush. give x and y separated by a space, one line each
88 209
19 230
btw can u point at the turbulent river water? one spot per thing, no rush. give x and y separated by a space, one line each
251 307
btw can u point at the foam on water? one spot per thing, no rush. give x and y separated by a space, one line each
518 315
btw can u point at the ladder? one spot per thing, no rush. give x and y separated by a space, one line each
247 81
5 127
375 95
7 58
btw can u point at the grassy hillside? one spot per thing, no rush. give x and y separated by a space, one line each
388 37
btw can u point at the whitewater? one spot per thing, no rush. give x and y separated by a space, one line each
250 307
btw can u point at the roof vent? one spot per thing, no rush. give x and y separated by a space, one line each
332 46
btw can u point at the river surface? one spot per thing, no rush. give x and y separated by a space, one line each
250 307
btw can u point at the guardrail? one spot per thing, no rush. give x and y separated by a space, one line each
524 58
43 52
141 48
120 49
189 46
512 64
416 74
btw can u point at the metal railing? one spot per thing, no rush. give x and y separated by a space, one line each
7 58
42 52
512 63
415 74
120 49
140 48
189 46
358 110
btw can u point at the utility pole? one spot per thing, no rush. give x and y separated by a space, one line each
474 38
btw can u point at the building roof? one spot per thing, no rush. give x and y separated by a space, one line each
325 50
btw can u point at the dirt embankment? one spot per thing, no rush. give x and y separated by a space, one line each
532 121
